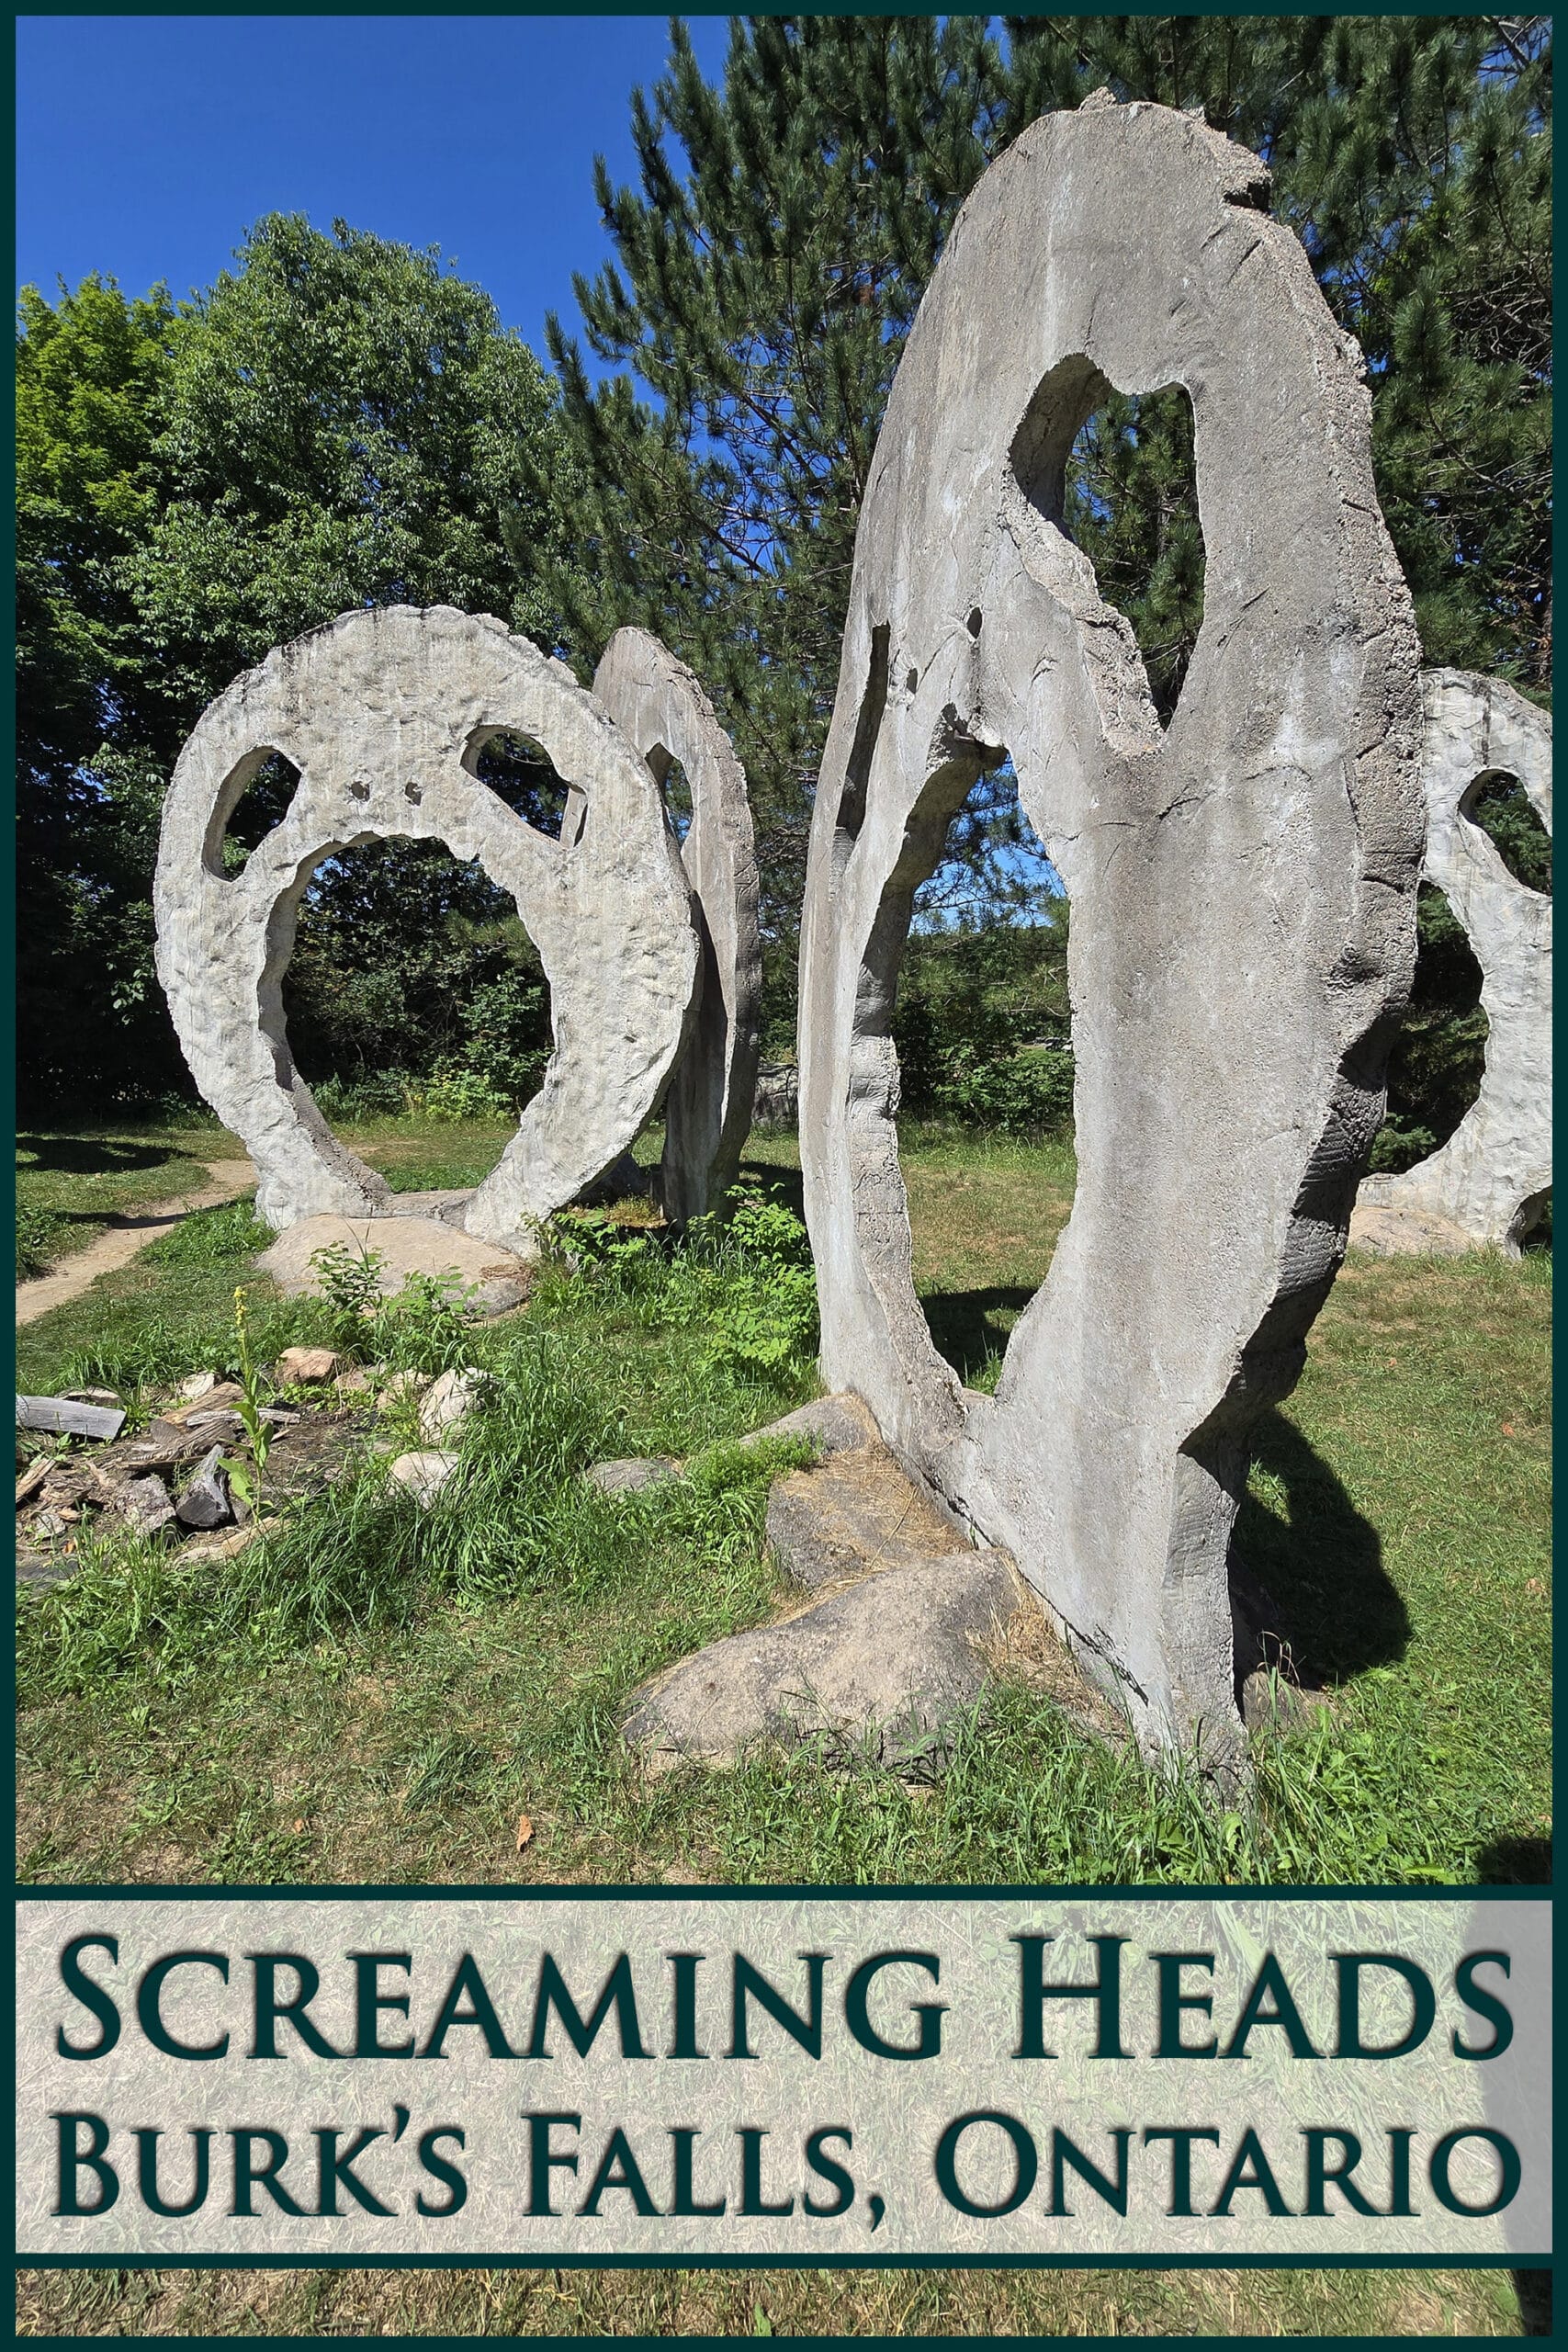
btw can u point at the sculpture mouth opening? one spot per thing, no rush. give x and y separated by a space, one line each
1435 1071
412 995
981 1027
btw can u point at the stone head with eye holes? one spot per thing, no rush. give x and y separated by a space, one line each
384 715
1242 882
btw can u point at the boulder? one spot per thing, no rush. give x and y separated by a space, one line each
831 1424
885 1665
448 1402
406 1245
308 1367
424 1473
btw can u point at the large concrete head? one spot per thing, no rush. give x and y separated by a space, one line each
385 714
1486 1184
1242 883
661 709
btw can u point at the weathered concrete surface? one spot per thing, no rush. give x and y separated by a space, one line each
658 704
405 1244
886 1664
385 715
1487 1182
1242 885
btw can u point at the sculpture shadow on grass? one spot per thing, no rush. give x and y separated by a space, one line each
1514 1862
965 1328
97 1154
1318 1560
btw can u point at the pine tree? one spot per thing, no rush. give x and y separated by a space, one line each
762 295
768 267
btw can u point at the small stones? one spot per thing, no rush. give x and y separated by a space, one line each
631 1474
449 1401
204 1502
308 1367
424 1473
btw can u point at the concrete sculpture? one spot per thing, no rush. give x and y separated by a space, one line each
384 714
661 709
1488 1182
1243 884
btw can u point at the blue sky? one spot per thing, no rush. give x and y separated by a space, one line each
146 145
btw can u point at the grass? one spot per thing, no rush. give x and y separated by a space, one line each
70 1182
1369 2303
374 1695
1398 1509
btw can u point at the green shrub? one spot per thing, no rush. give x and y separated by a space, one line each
38 1232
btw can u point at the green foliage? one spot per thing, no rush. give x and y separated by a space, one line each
338 422
350 1285
218 1237
983 1025
39 1233
1434 1072
742 1284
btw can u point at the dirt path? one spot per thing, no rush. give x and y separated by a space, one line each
127 1235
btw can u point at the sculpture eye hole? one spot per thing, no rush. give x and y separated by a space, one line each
270 784
1116 473
520 772
1498 804
674 790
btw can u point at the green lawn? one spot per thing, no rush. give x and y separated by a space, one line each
374 1694
371 1695
68 1183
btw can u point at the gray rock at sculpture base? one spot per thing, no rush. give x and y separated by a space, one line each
855 1514
385 714
661 708
882 1668
204 1502
424 1473
630 1473
497 1279
1241 881
831 1423
1386 1231
1487 1183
